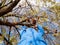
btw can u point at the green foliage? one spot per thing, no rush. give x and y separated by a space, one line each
1 39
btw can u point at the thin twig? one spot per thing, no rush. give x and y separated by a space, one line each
6 40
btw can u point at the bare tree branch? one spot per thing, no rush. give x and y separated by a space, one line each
29 5
13 24
8 8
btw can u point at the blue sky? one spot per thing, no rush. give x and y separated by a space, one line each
58 0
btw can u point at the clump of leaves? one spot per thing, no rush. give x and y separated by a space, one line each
13 40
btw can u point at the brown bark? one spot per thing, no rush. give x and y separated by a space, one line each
8 8
13 24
